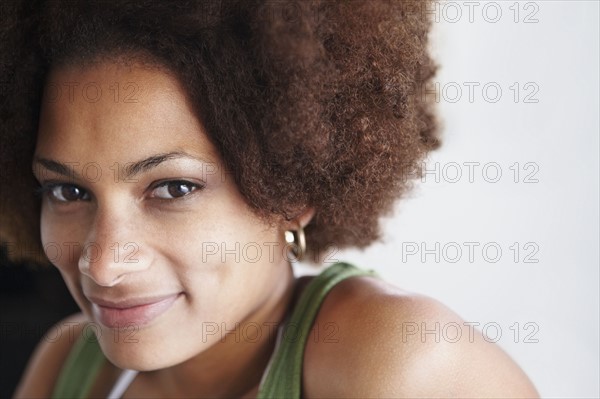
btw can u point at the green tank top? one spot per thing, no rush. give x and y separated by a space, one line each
283 378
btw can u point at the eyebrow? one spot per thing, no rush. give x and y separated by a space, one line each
130 169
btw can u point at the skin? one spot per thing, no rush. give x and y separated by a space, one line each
177 356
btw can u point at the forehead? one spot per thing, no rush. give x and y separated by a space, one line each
111 107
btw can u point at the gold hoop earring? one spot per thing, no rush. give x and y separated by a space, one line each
297 240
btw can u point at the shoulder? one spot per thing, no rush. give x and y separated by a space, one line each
372 339
48 358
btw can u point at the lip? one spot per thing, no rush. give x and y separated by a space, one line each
136 312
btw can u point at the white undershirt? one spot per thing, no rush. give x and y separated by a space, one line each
122 383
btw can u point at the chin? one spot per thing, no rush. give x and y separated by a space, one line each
139 354
137 357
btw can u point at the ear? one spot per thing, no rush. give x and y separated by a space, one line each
303 218
306 216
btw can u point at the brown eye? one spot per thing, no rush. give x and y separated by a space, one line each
68 193
174 189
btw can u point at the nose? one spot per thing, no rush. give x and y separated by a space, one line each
113 250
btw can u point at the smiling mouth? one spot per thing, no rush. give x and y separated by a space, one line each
131 313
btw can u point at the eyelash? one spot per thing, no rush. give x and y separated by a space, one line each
47 189
195 187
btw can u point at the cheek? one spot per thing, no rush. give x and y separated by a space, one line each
222 231
52 234
225 260
59 240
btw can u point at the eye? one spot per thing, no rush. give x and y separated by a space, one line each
174 189
65 192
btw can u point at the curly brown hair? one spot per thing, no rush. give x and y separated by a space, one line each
315 103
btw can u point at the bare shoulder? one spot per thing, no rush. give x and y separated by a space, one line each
46 362
371 340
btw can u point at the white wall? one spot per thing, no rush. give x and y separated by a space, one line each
554 141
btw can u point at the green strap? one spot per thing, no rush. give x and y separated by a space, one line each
80 369
284 378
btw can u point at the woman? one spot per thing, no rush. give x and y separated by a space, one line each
186 154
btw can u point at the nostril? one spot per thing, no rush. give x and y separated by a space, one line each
116 281
102 277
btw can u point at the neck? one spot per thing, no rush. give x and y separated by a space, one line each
234 365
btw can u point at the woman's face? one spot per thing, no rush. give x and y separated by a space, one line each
149 231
